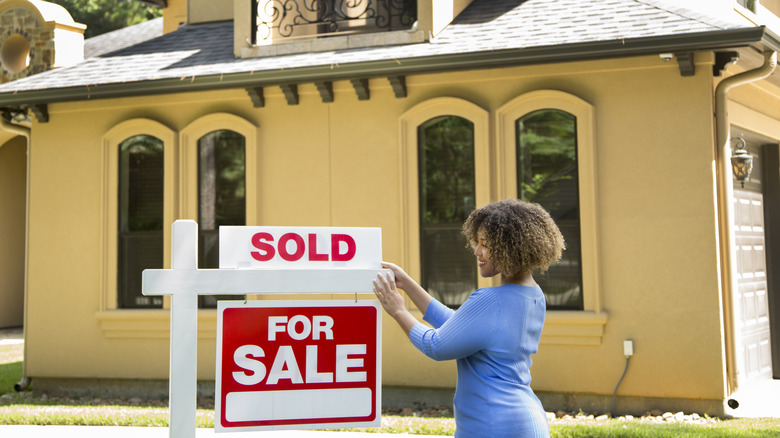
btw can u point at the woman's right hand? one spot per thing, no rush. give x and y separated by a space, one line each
402 279
413 290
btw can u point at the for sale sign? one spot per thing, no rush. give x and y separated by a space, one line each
298 365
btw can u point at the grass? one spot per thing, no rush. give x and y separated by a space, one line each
31 408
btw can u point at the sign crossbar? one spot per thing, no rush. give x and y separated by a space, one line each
259 281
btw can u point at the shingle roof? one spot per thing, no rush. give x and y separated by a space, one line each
486 26
122 38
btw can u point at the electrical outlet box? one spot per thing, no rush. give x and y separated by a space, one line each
628 347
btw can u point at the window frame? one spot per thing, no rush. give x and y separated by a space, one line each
188 166
110 157
563 326
410 121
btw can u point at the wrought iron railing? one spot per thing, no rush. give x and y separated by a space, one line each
274 20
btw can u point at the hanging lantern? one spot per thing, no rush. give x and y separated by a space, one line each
741 162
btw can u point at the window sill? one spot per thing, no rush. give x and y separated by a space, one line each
560 328
573 328
150 324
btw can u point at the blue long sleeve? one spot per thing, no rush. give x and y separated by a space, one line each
455 337
492 337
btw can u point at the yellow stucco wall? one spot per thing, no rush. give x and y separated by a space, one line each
13 170
174 15
203 11
340 164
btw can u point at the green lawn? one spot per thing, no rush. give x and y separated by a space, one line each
31 408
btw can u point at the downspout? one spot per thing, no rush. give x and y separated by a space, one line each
7 125
725 193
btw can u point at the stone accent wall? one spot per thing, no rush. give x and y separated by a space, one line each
25 22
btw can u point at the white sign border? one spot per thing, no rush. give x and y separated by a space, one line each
229 304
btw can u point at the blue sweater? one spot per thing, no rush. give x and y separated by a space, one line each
492 337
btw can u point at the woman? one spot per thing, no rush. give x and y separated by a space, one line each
494 333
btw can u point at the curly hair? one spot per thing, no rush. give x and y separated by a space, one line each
521 236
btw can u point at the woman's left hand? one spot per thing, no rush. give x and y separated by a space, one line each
387 293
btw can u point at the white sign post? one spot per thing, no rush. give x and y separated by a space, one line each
303 260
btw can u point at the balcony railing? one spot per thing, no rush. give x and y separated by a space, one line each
275 20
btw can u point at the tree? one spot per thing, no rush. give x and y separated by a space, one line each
103 16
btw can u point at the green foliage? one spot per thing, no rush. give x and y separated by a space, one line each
547 154
547 174
10 367
222 178
27 408
741 428
447 169
10 373
103 16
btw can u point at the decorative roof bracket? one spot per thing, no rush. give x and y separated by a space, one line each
257 96
722 60
290 93
326 90
685 62
361 88
399 85
41 112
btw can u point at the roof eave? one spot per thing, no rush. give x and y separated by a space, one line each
716 40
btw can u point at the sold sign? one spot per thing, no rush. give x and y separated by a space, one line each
298 364
300 247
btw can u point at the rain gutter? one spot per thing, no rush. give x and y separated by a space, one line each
403 66
725 193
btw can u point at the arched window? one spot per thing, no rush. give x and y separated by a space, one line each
547 174
140 217
446 174
221 193
447 196
138 191
546 153
219 182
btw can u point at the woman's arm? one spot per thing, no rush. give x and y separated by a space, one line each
468 331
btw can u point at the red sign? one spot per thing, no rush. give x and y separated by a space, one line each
298 365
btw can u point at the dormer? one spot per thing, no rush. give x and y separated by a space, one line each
37 36
276 27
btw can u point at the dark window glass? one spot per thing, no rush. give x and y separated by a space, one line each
547 175
140 243
749 4
221 195
446 168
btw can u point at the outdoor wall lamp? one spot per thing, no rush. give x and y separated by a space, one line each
741 161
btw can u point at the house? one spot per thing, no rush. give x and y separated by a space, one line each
620 117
